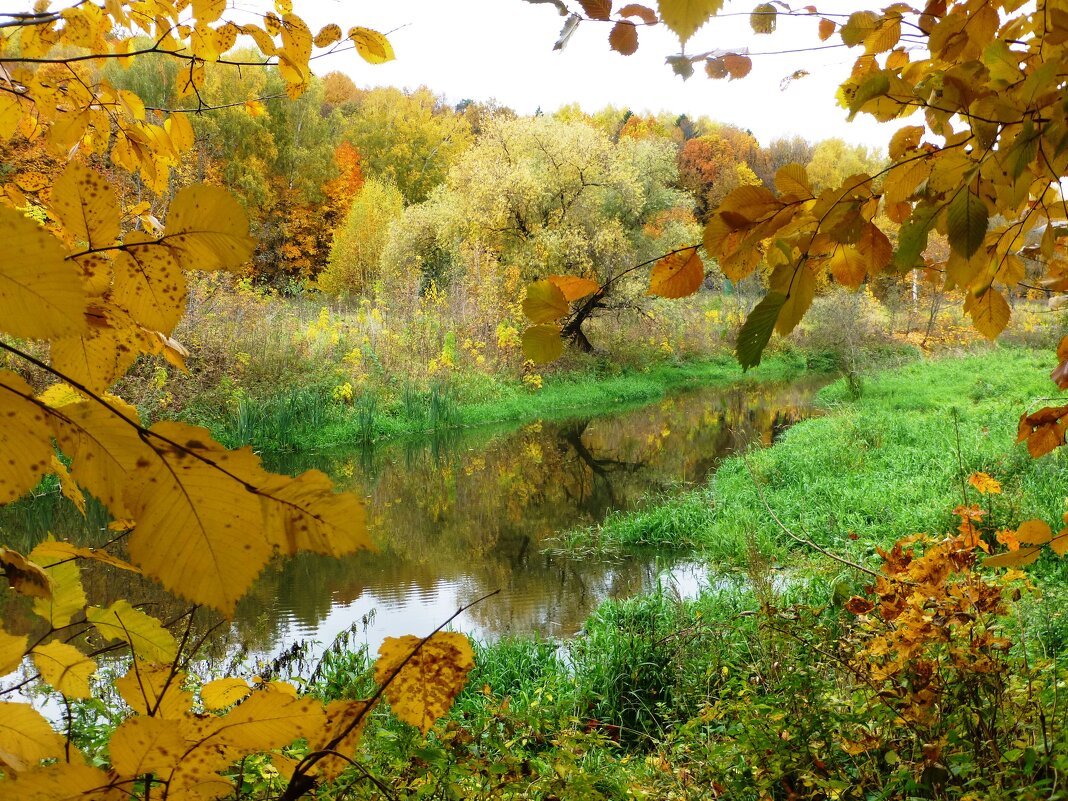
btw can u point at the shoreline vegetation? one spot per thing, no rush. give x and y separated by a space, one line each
768 684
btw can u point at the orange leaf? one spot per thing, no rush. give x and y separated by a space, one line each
597 9
984 484
677 275
647 15
623 38
1024 556
738 66
1034 532
574 287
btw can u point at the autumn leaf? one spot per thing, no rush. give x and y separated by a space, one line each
684 17
597 9
372 46
12 650
544 302
67 598
25 737
646 14
25 435
87 206
422 687
677 275
144 634
543 343
208 229
984 484
623 38
966 223
143 745
25 577
573 287
222 693
40 290
65 668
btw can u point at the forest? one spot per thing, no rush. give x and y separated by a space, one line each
366 442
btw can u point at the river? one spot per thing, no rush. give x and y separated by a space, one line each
458 517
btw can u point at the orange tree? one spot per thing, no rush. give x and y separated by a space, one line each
101 284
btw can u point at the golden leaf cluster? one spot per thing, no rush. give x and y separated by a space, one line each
101 286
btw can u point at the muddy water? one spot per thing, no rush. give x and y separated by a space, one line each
459 518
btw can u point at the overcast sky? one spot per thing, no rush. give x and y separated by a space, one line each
502 49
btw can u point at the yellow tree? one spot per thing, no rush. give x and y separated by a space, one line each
100 285
981 165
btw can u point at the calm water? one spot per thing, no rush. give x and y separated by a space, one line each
460 518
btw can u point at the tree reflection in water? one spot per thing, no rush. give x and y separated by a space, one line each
461 516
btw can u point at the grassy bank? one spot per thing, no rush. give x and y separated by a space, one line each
311 418
871 469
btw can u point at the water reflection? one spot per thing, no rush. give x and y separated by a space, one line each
460 517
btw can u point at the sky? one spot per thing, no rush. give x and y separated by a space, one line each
502 49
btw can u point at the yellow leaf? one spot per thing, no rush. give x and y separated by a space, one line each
71 491
180 131
575 288
344 720
1019 558
305 514
65 668
989 312
68 596
152 690
1033 532
269 719
209 229
87 206
677 275
372 46
544 302
149 284
684 17
255 108
31 181
847 266
222 693
104 353
67 781
25 577
23 433
874 248
12 649
1059 544
327 36
423 690
49 552
208 10
26 738
40 291
792 179
146 745
542 343
908 138
144 634
798 284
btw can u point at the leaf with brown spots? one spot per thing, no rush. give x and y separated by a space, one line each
25 443
25 577
421 688
26 738
40 290
146 745
87 206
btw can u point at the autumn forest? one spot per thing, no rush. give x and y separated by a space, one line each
370 442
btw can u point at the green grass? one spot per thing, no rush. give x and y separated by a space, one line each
309 419
885 465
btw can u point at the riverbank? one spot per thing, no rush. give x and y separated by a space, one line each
311 419
769 688
889 462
